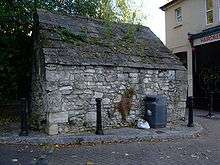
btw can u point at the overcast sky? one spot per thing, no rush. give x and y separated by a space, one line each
155 17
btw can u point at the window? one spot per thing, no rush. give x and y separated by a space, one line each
209 12
178 13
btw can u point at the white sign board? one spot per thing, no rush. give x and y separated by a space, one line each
207 39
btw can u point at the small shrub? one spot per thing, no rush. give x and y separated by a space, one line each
124 106
69 37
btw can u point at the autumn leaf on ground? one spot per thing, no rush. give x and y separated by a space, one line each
89 162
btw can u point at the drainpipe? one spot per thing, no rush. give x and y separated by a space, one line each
193 49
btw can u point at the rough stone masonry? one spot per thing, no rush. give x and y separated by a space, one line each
77 60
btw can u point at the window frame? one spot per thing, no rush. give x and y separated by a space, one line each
178 18
209 10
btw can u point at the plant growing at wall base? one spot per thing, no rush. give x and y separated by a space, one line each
36 122
124 106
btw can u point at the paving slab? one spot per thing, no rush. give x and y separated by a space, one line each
118 135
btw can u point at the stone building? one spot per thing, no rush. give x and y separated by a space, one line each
78 59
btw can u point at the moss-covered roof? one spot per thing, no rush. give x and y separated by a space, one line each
76 40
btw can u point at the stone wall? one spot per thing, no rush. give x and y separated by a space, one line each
71 91
38 92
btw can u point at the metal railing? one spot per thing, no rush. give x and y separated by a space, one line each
23 106
16 111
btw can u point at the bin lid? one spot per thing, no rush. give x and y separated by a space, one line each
155 98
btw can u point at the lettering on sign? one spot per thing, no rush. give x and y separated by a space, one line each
207 39
210 38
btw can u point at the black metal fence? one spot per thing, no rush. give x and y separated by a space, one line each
16 112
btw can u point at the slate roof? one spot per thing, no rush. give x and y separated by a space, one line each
164 7
77 40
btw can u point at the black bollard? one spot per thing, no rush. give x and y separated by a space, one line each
190 117
210 114
24 112
99 130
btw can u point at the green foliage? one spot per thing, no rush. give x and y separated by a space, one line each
108 29
106 11
86 7
15 43
79 38
130 34
129 93
70 37
126 14
16 23
6 119
36 122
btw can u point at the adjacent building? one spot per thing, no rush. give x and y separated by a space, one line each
193 34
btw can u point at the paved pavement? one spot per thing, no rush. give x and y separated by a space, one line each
171 131
204 150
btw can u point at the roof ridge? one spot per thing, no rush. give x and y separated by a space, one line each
164 7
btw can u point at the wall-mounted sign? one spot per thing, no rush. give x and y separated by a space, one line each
206 39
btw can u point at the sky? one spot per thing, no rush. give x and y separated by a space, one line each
155 18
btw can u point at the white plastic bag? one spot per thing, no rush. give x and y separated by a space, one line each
143 125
